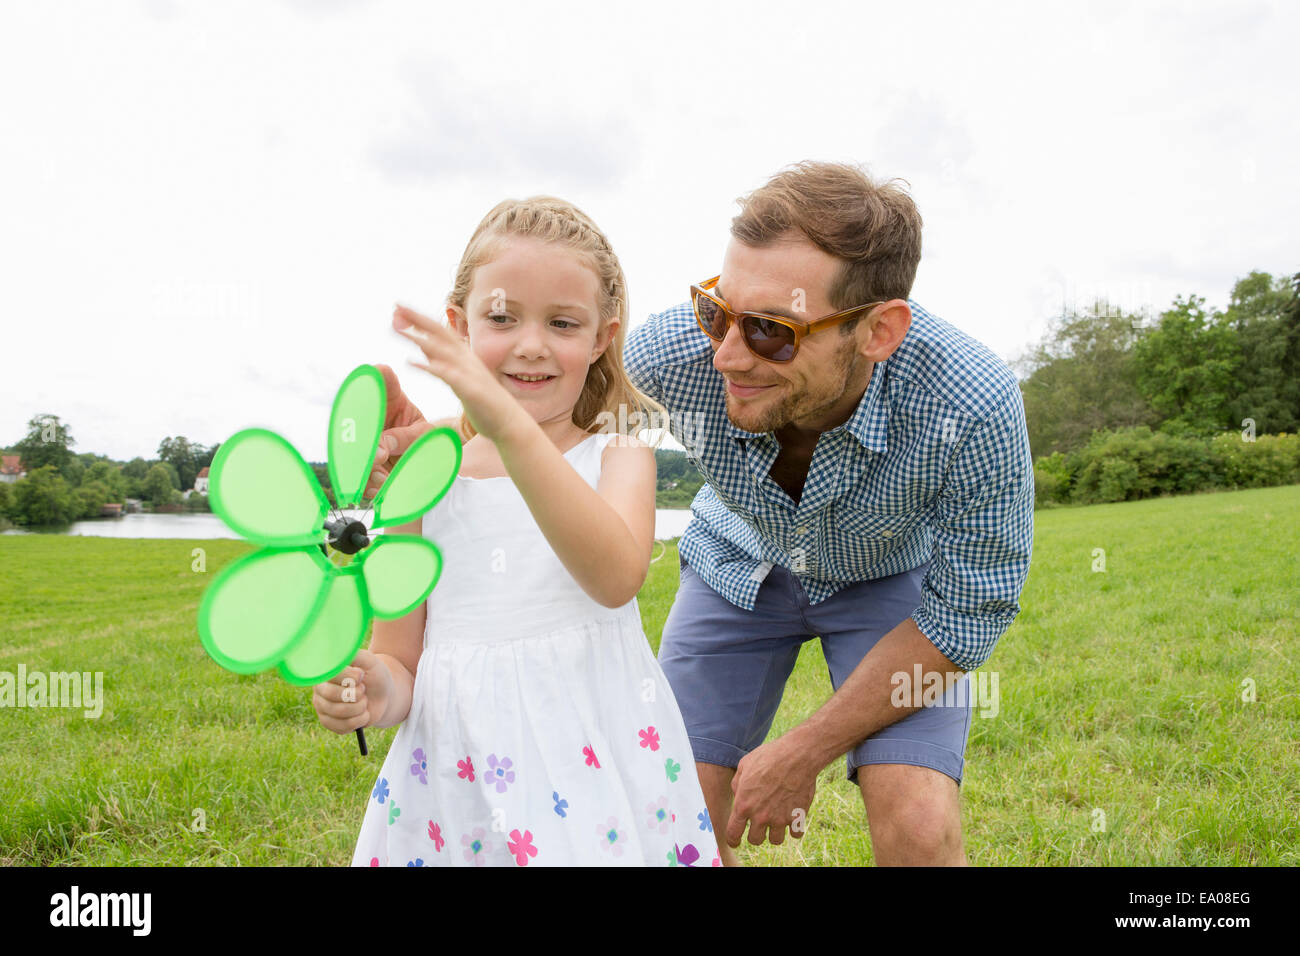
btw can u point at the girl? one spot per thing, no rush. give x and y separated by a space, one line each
537 728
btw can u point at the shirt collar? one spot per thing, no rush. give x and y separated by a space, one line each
869 423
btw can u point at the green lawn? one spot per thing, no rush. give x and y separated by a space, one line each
1120 691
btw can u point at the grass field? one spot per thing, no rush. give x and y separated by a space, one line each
1121 691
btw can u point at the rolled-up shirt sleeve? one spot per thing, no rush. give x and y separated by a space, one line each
983 536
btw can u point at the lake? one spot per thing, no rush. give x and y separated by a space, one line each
669 523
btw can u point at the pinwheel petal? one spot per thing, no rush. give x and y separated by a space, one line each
334 636
400 570
259 605
355 424
264 491
421 477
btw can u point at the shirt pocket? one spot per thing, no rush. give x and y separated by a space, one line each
907 494
865 538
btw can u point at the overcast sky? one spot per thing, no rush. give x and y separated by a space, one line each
208 210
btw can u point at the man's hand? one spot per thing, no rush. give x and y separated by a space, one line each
773 789
403 424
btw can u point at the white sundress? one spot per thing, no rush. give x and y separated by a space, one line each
542 731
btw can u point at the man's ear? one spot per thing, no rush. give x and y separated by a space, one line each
889 324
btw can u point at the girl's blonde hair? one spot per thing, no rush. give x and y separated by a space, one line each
555 220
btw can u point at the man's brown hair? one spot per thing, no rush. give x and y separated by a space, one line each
873 226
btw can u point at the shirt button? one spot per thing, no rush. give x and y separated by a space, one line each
886 534
802 529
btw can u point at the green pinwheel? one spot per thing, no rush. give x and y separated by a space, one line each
293 603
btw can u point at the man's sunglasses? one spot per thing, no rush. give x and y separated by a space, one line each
772 338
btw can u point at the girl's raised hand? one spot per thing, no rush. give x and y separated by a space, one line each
488 405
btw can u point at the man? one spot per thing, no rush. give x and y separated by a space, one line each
868 482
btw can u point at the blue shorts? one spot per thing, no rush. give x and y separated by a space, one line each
727 666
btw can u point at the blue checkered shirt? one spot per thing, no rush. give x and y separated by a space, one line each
933 465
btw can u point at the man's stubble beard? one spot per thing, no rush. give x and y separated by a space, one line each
791 407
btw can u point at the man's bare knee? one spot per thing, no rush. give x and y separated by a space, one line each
914 814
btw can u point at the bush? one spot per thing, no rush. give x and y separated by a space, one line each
1267 461
42 498
158 487
1052 479
110 475
91 497
197 502
1139 463
1118 480
1136 463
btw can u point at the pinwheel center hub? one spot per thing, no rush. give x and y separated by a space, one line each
347 535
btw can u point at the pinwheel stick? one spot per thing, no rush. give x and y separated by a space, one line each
349 536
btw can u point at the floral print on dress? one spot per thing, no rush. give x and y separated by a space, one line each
420 766
393 812
499 773
521 846
611 837
493 688
660 817
416 862
476 848
705 822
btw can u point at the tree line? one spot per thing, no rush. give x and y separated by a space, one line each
62 486
1120 407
